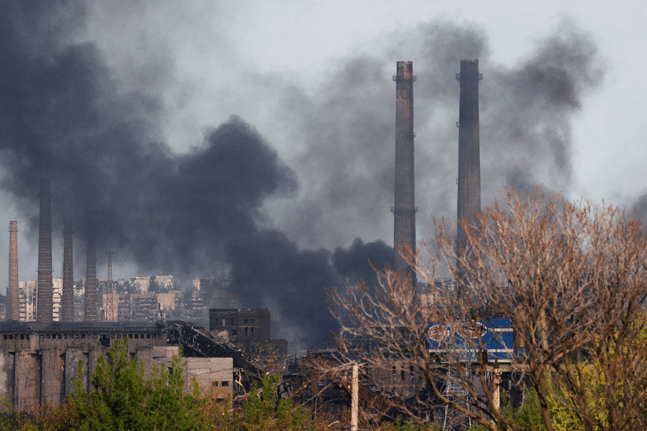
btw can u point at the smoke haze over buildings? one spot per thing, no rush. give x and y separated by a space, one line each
268 212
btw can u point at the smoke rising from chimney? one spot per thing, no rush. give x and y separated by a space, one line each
232 202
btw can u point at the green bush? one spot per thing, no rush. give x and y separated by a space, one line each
122 399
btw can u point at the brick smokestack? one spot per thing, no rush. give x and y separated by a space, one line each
469 165
67 299
90 310
45 311
13 311
404 210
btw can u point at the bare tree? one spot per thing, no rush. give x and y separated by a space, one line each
568 278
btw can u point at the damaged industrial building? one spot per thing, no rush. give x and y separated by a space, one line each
39 359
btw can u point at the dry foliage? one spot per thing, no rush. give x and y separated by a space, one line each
571 279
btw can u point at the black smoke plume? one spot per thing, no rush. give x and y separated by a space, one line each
359 262
62 121
64 116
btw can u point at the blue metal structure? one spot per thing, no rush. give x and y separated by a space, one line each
493 337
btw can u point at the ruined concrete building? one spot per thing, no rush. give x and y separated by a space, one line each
249 329
38 360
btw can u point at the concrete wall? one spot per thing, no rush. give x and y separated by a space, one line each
214 375
27 381
52 376
30 378
70 372
7 363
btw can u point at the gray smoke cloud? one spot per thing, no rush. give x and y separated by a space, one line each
231 203
525 110
61 121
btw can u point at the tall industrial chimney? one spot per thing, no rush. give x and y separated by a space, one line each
90 310
13 312
44 305
67 299
469 167
404 209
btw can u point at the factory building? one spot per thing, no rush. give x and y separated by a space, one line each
249 329
38 360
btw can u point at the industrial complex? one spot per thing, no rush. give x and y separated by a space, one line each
54 325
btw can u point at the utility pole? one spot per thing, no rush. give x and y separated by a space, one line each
354 410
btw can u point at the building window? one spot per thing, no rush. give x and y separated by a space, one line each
214 383
225 383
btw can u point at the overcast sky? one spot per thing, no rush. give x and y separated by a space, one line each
308 83
222 49
208 60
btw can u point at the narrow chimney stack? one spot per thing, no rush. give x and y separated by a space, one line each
404 209
67 299
45 312
13 311
90 310
469 165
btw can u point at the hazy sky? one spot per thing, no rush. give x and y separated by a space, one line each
205 60
223 51
153 94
